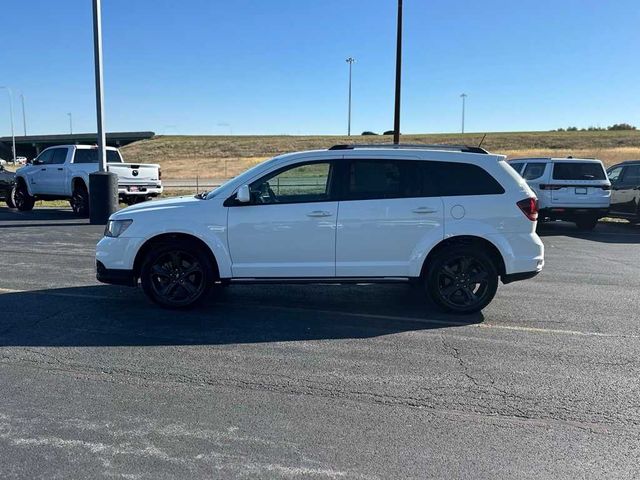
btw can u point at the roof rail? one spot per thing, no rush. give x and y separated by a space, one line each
457 148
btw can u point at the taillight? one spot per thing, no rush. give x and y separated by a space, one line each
529 207
545 186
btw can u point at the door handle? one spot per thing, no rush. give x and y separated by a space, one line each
43 169
60 169
319 213
424 210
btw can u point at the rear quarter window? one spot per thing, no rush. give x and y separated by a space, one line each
457 179
533 170
578 171
84 155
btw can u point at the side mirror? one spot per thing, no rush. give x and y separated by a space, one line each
244 194
37 162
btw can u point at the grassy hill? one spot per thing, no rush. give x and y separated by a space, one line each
224 156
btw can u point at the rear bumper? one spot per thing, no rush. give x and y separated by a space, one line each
573 212
142 190
115 276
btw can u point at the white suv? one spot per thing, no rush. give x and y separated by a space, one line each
454 218
572 189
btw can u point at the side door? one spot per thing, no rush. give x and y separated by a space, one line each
617 193
386 218
288 229
36 173
629 190
54 182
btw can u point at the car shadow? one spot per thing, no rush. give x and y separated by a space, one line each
115 316
40 215
605 232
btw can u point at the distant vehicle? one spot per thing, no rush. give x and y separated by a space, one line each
21 160
571 189
453 219
3 162
625 190
62 172
7 181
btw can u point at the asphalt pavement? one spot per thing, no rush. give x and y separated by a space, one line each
362 381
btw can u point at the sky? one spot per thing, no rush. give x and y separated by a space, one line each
278 66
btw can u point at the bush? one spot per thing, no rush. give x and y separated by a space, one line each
389 132
621 126
367 132
572 129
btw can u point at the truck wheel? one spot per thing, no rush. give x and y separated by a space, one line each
461 279
9 199
177 275
587 224
80 200
21 198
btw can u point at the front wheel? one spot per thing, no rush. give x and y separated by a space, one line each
177 275
21 198
462 279
9 199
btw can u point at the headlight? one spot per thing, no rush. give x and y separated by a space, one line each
115 228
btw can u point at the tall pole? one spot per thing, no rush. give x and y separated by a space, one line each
350 61
13 136
396 118
97 53
70 123
464 97
24 115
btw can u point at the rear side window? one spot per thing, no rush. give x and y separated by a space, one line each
84 155
457 179
533 171
517 166
578 171
375 179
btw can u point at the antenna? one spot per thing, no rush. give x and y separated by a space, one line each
483 137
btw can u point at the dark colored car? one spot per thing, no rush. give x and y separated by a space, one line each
7 181
625 190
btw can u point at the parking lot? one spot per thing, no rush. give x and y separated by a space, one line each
363 381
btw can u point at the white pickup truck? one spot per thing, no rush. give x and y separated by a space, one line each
62 173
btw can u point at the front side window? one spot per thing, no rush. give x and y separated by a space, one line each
614 175
632 175
299 184
578 171
46 157
533 171
376 179
59 156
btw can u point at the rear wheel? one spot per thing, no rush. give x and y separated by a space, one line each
462 279
588 223
21 198
80 200
177 275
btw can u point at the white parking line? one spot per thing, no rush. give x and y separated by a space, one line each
515 328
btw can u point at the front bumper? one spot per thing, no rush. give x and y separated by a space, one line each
515 277
115 276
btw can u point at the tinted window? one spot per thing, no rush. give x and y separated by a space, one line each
375 179
517 166
91 156
302 183
455 179
614 174
46 156
578 171
632 175
59 156
533 171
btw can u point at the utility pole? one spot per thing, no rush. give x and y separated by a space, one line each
70 123
24 115
103 185
350 61
396 118
13 136
464 97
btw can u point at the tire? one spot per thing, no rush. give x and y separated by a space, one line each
461 279
177 275
80 200
21 198
9 199
587 224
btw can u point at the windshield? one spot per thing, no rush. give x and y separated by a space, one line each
247 173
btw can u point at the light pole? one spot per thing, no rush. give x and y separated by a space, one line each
13 136
24 115
350 61
70 123
396 116
103 185
464 98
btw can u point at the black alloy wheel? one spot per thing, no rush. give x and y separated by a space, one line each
21 198
80 201
177 277
462 280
